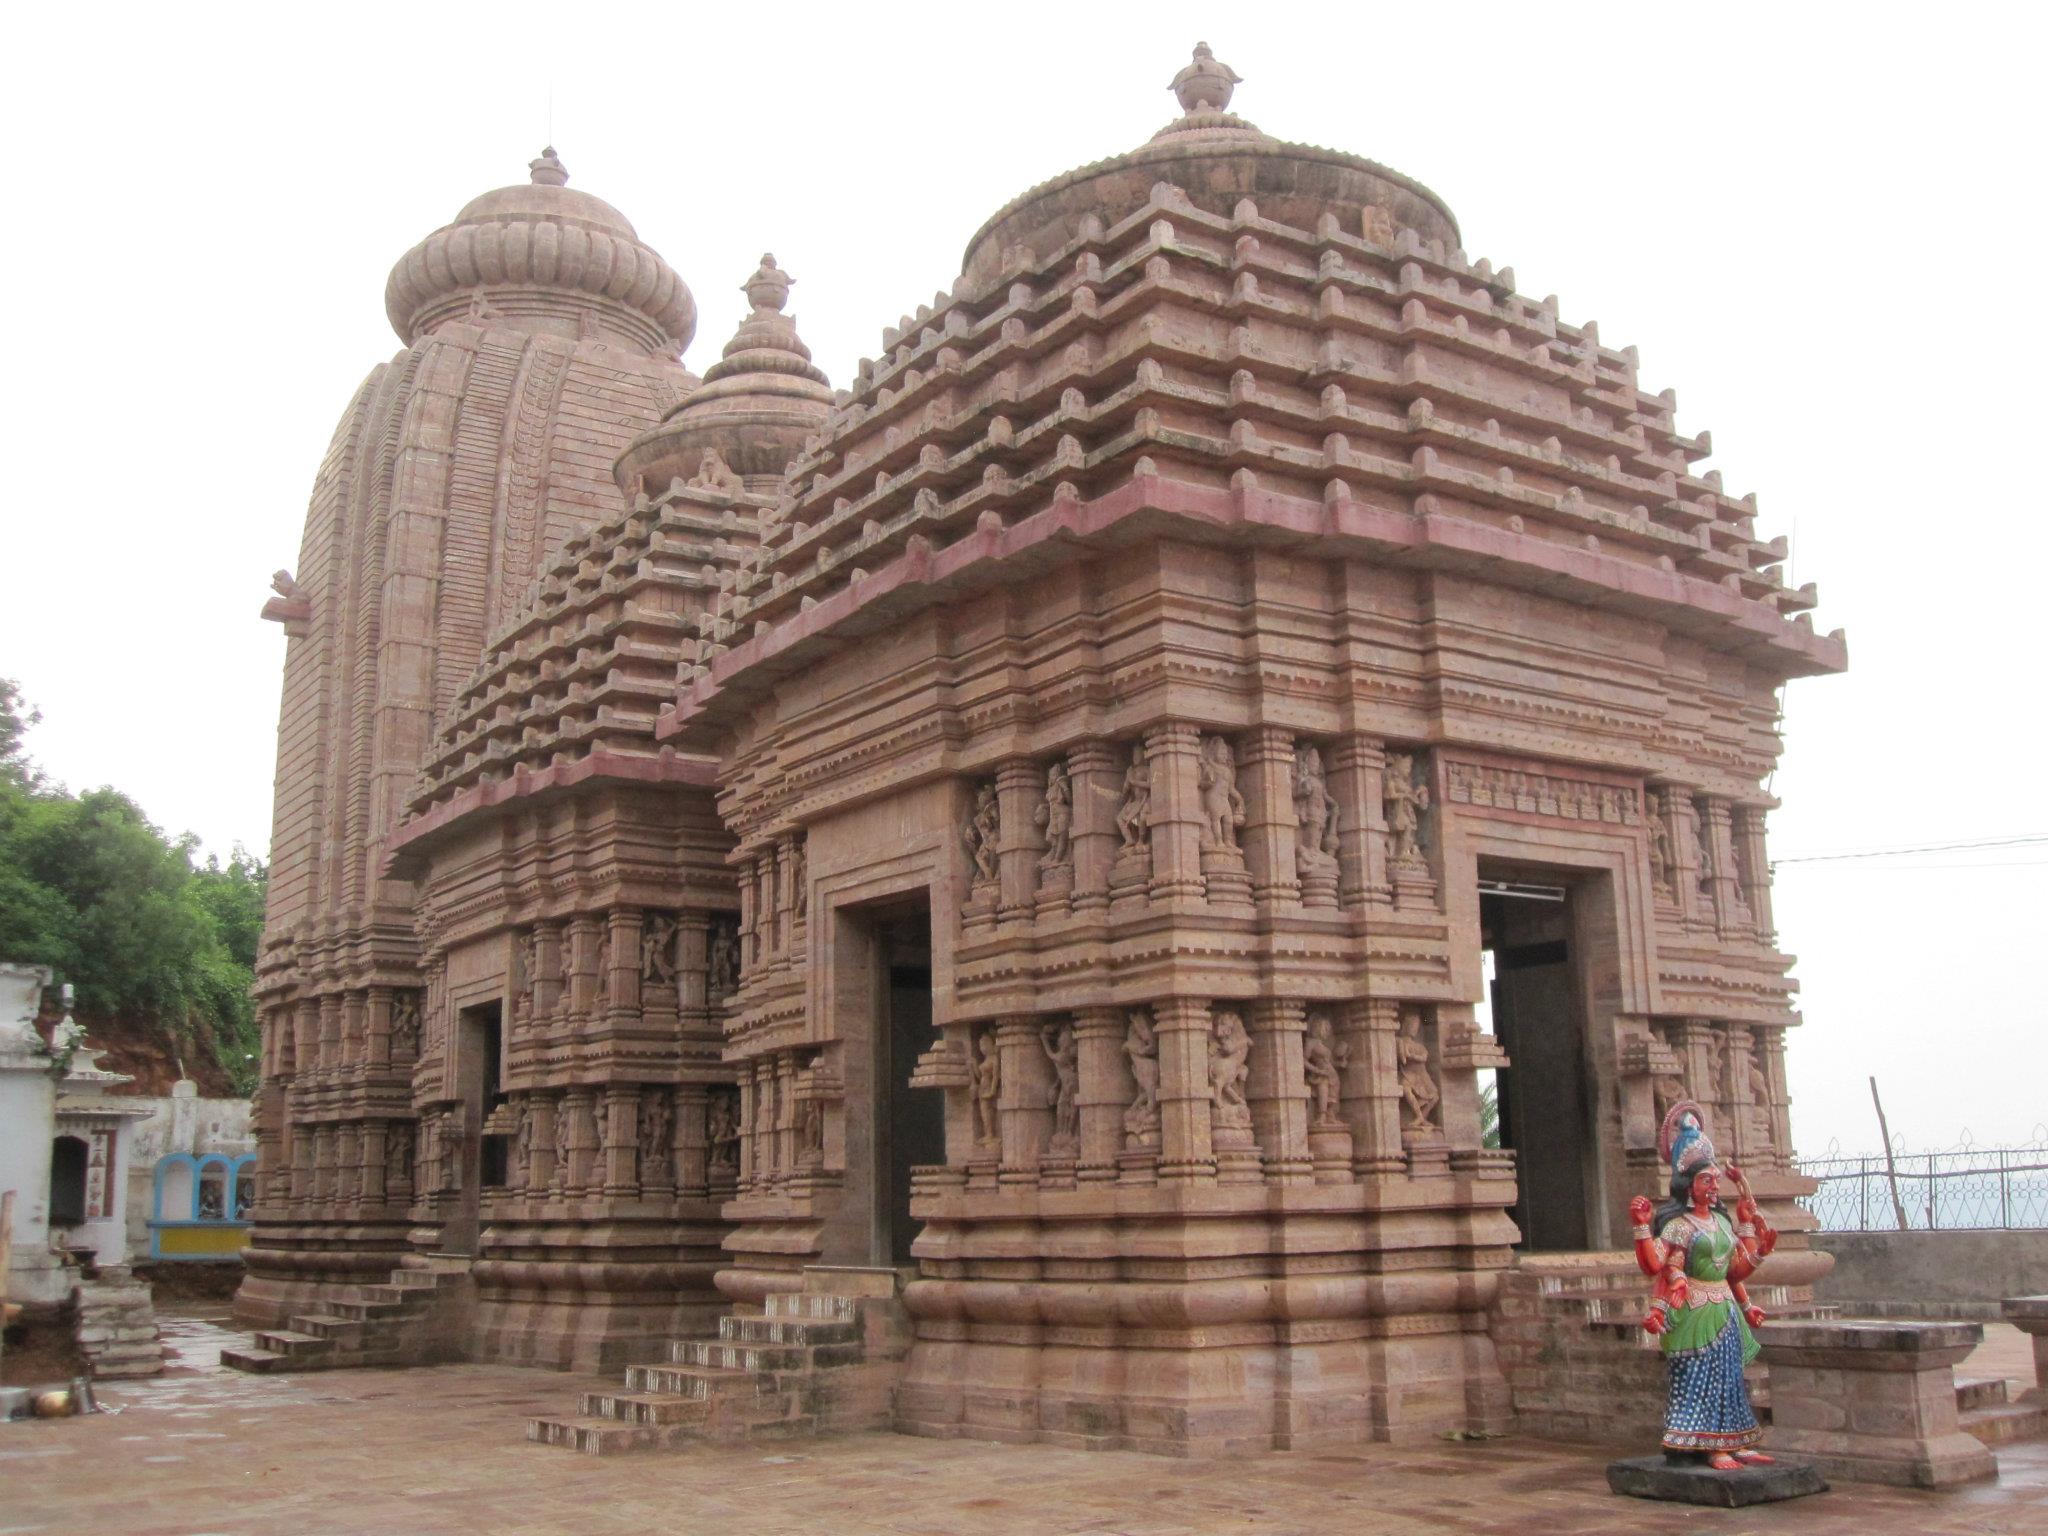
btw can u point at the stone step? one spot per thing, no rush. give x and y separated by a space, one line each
370 1311
693 1381
590 1437
2003 1423
788 1330
258 1362
755 1359
326 1325
291 1344
812 1304
644 1408
1981 1392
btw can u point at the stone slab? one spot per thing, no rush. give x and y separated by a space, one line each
1694 1482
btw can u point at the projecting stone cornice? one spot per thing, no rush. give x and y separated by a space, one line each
1341 528
529 783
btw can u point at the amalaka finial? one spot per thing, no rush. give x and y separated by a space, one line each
768 288
1203 84
548 170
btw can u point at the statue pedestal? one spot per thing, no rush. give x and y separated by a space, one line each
1330 1152
1225 877
1689 1480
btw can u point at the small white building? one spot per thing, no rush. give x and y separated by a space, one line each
64 1147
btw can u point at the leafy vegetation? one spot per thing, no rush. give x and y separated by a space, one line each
89 887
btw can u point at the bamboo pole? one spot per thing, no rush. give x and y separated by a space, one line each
1891 1171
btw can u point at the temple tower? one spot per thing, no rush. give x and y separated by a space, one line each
576 903
1202 638
540 337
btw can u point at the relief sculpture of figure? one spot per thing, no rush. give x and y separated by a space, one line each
1056 815
723 965
658 949
1134 814
1662 857
657 1135
1230 1050
1141 1048
1321 1068
722 1131
1419 1091
1315 811
1404 801
1064 1052
988 1090
1698 1258
984 825
1222 805
405 1026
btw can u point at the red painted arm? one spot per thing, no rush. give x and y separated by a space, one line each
1649 1252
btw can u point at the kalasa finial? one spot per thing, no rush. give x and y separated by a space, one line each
1203 83
548 170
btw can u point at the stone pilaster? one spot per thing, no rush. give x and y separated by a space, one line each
354 1029
1171 754
1105 1090
621 986
1355 765
1096 772
1278 1088
377 1022
1266 779
1367 1031
550 963
1020 789
1754 863
583 979
330 1034
1695 907
1186 1150
1023 1110
692 1143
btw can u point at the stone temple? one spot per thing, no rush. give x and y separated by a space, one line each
1008 881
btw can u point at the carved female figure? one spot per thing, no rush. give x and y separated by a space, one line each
1698 1258
1134 814
1320 1066
988 1088
1056 815
1141 1048
1662 857
722 1129
657 949
1222 805
1404 801
980 834
1061 1049
1418 1082
1315 809
657 1133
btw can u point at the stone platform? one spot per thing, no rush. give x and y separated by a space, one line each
440 1450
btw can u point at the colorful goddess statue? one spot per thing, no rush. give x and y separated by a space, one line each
1699 1258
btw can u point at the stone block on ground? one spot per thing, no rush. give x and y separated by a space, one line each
1691 1481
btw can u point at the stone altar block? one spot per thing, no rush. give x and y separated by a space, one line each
2029 1314
1874 1402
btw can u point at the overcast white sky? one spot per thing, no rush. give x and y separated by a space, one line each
1819 223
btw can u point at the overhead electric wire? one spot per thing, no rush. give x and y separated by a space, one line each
2021 841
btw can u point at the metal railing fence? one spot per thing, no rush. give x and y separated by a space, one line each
1961 1187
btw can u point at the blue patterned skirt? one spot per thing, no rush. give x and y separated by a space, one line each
1708 1407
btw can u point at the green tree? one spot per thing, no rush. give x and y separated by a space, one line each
89 887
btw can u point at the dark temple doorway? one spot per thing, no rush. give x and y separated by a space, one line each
480 1079
1529 931
910 1128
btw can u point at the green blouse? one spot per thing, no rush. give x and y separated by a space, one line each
1708 1253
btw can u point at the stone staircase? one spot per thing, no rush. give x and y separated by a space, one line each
824 1358
1984 1405
397 1322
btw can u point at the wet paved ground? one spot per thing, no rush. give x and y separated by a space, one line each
420 1453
